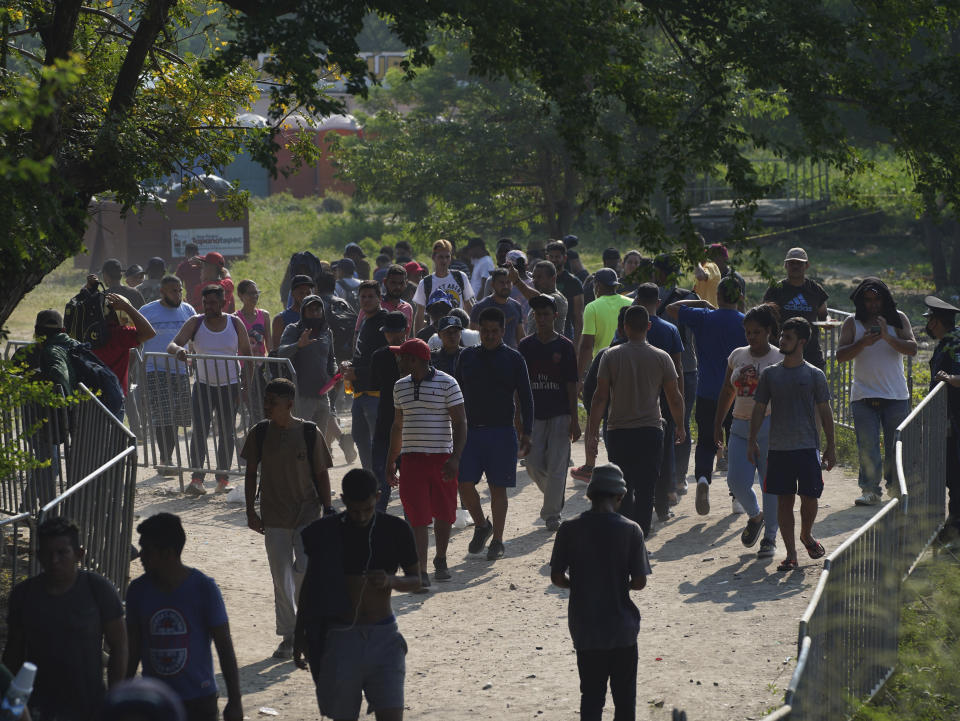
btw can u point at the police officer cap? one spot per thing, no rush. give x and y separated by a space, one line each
935 306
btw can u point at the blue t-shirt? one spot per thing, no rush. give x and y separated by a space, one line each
488 380
513 312
717 333
167 322
664 335
175 631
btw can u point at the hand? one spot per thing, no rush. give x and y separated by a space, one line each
884 331
574 431
718 438
118 302
592 444
512 273
451 467
870 338
524 448
377 578
947 378
182 355
829 458
305 339
92 281
580 389
393 476
233 711
753 452
254 522
699 273
679 435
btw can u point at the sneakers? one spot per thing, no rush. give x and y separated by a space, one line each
868 498
721 464
893 490
553 524
480 536
223 486
495 551
703 497
751 533
285 649
665 516
768 547
582 473
737 508
195 488
682 487
440 571
424 583
348 447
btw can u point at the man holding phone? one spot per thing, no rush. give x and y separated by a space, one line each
876 338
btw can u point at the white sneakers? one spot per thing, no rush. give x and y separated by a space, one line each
703 496
867 499
737 508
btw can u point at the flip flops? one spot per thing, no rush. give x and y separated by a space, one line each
788 564
814 548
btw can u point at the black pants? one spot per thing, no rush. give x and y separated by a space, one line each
595 667
166 442
953 478
705 414
206 400
638 452
202 709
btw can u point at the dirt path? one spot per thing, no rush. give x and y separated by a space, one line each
718 636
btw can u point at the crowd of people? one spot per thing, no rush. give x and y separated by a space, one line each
454 375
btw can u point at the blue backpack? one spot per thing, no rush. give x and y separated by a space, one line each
95 375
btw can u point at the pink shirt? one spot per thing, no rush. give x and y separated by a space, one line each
256 330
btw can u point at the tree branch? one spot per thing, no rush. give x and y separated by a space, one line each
25 53
160 51
107 16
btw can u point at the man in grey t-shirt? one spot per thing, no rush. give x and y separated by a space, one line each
798 392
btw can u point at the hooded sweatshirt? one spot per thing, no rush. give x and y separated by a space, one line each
315 364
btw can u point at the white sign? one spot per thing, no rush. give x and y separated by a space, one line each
226 241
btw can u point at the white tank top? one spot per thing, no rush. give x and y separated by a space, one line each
206 342
878 369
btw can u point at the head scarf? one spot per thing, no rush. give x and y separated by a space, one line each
888 308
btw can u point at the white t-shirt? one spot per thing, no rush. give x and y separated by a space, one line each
481 269
746 376
448 283
426 418
468 338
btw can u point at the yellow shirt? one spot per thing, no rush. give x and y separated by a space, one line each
707 289
600 319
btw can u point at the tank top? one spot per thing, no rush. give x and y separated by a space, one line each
256 330
206 342
877 369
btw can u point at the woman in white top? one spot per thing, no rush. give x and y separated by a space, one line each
760 325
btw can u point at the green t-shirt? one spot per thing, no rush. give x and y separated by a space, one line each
600 319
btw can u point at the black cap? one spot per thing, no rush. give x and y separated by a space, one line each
310 300
394 322
607 479
570 241
935 306
299 280
449 321
611 254
356 248
543 301
49 319
134 270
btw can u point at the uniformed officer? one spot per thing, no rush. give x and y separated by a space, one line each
945 366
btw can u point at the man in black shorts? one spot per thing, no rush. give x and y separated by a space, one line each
345 623
798 391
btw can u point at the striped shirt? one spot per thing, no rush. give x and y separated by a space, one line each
426 418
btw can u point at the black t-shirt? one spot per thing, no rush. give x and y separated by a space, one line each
386 544
427 332
571 287
384 373
602 551
446 362
800 301
64 637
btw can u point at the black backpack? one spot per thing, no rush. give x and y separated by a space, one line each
458 276
97 376
309 437
350 295
85 319
342 320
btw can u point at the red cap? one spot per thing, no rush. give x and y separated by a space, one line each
415 346
412 267
213 258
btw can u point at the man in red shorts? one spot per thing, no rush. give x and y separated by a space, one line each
429 430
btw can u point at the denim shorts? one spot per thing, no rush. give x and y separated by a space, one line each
491 450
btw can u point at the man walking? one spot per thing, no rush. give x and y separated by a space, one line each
346 627
797 295
430 430
544 283
292 459
112 275
876 338
489 375
454 282
600 318
552 365
631 378
798 393
572 290
500 298
446 356
300 287
308 344
394 284
600 556
384 374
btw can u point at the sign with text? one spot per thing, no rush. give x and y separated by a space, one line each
226 241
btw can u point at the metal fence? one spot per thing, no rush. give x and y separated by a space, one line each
849 633
193 412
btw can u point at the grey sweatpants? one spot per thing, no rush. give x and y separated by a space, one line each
547 462
288 562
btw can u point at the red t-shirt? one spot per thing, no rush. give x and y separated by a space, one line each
225 283
189 275
115 353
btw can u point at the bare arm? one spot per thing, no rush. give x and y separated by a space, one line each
417 318
178 345
673 310
254 522
586 355
903 341
322 481
409 581
678 367
231 675
115 633
458 421
822 311
276 331
638 583
133 647
727 395
574 431
847 349
826 419
268 336
145 331
756 420
597 407
672 390
396 443
577 310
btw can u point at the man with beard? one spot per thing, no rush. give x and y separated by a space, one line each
500 298
394 285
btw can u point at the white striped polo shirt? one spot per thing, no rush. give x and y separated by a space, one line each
426 420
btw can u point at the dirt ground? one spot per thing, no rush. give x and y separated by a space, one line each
718 636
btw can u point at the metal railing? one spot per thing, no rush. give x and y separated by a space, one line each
849 633
193 413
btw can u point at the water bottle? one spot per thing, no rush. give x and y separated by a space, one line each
18 693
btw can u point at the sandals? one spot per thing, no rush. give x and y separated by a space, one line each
814 548
788 564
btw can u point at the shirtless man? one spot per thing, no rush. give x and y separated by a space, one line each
346 629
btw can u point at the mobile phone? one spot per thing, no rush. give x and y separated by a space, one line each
875 329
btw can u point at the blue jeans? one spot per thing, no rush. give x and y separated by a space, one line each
870 416
741 472
364 414
681 453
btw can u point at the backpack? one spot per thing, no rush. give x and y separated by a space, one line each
97 376
350 295
458 276
309 437
342 320
84 317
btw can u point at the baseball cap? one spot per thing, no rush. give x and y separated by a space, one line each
347 265
543 301
570 241
310 300
721 248
606 276
607 479
145 698
49 319
440 296
415 346
611 254
354 247
515 255
112 266
412 267
449 321
134 270
394 321
796 254
213 258
299 280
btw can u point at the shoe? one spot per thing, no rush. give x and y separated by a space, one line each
722 464
348 447
788 564
440 572
195 489
673 499
223 487
814 548
553 524
893 490
664 517
495 551
285 649
867 499
480 536
703 497
582 473
682 487
737 508
751 533
768 547
424 580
